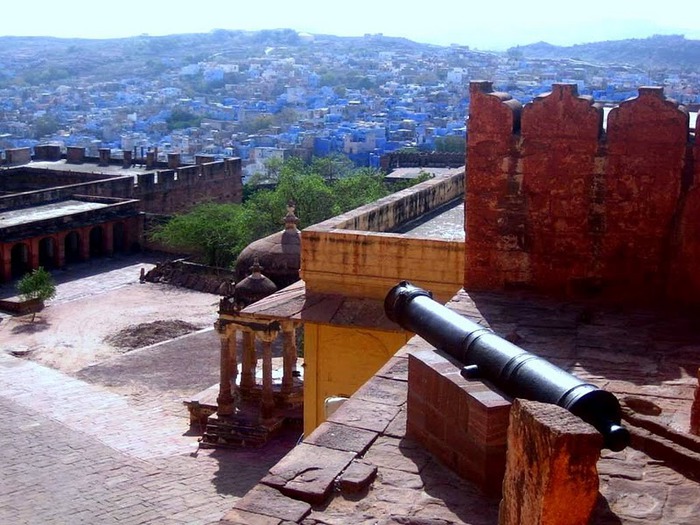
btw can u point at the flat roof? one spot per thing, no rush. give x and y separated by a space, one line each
414 172
110 170
47 211
446 223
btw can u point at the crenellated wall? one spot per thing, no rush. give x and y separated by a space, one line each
558 203
161 192
171 191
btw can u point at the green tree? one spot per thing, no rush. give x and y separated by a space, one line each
180 119
45 125
214 233
451 144
332 167
37 284
217 233
366 185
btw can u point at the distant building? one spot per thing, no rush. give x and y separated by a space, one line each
57 209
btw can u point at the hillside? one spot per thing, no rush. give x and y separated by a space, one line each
656 52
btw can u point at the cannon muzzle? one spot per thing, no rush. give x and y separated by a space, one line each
511 369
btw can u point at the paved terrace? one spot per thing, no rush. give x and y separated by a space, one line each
111 443
360 467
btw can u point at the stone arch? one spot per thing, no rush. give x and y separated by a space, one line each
72 244
20 259
47 252
96 241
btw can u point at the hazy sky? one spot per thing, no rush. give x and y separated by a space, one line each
482 25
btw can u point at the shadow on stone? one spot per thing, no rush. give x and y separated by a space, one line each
603 514
30 327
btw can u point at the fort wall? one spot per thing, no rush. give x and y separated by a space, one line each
163 192
357 255
173 190
558 203
391 161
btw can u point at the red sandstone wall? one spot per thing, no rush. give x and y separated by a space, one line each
557 204
178 190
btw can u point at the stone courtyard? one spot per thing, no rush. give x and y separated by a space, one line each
92 433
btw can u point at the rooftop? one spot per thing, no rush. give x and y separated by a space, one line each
367 470
43 212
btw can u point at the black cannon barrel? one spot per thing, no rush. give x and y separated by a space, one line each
515 371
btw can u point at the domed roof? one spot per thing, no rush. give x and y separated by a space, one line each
254 287
279 253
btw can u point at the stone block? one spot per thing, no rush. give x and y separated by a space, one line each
341 437
364 414
357 477
271 502
308 472
551 462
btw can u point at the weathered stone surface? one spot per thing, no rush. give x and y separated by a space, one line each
397 454
395 368
307 473
558 210
270 502
357 476
400 478
397 427
384 391
242 517
341 437
364 414
695 410
551 462
636 500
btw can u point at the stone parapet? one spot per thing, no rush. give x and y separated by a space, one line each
462 422
559 203
551 463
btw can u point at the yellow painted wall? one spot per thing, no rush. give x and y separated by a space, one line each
353 255
348 357
368 264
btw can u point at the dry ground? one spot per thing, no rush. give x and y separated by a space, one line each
73 335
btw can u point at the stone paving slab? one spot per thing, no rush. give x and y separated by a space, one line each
75 453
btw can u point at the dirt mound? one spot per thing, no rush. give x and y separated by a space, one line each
146 334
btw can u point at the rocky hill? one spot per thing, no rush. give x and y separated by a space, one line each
656 52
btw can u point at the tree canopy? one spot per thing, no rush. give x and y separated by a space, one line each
217 233
37 284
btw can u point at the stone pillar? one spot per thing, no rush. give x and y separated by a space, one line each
6 262
551 476
225 400
248 362
150 160
17 156
289 356
33 253
267 400
60 251
75 155
84 243
108 239
695 410
105 155
173 160
128 159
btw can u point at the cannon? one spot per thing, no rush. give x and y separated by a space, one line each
514 371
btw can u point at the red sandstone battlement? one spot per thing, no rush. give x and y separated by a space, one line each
557 202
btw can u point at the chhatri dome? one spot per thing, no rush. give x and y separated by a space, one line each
279 253
254 287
